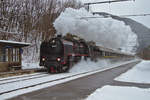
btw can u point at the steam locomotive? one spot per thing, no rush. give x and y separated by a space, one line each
59 53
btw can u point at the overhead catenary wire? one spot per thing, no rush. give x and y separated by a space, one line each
110 1
102 2
108 16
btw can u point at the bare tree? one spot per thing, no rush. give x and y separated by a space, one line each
31 20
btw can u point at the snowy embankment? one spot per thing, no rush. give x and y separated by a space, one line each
138 74
27 65
120 93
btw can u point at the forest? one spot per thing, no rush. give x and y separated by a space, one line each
31 20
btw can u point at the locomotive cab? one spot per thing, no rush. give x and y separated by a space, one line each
51 54
56 55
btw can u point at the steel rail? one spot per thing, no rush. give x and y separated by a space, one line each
24 79
11 78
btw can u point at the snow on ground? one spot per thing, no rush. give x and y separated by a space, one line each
89 65
120 93
100 30
30 65
138 74
14 42
20 84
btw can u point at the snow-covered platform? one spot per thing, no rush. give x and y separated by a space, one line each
139 74
120 93
132 85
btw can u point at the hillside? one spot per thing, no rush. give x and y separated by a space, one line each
142 31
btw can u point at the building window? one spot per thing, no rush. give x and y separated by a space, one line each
15 54
6 54
3 55
9 53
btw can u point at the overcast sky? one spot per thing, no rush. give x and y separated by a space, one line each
125 8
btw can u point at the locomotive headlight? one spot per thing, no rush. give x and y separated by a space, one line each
53 41
43 59
58 59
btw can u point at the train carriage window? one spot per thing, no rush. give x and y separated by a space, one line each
68 49
101 53
82 49
104 53
76 47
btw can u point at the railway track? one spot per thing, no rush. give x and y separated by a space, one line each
23 78
59 79
21 72
45 82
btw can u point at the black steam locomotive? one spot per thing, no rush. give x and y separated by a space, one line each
59 54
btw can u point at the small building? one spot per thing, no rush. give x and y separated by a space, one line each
10 55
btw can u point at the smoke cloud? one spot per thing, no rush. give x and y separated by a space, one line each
105 32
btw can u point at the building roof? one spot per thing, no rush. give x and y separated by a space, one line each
13 43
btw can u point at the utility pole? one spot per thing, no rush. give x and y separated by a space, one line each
110 1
